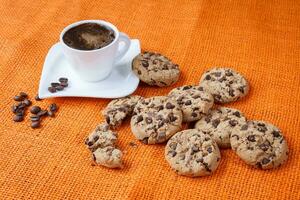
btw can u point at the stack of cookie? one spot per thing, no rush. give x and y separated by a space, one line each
195 152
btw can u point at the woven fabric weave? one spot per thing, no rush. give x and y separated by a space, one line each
258 38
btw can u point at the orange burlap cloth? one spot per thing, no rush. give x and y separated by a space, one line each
258 38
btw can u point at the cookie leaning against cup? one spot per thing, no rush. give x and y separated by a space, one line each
155 69
192 153
193 101
156 119
225 84
260 144
220 123
118 109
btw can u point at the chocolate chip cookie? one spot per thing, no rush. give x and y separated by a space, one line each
225 84
117 110
101 137
109 157
192 153
156 119
193 101
155 69
220 123
260 144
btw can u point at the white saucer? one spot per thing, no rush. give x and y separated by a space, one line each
121 82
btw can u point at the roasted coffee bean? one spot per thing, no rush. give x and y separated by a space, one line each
21 105
27 102
63 80
169 106
18 118
35 109
52 89
53 107
14 108
251 138
18 98
59 88
20 112
64 84
51 114
42 113
35 124
37 98
55 84
23 94
34 118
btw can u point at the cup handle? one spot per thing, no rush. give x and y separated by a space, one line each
122 50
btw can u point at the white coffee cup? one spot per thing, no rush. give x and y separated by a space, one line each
95 65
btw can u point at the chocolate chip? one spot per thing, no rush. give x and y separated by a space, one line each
35 124
187 87
241 89
173 145
169 106
107 119
94 157
148 120
54 84
145 63
181 157
244 127
265 161
206 167
237 113
188 102
217 97
18 118
90 143
237 137
161 107
63 80
198 160
18 98
194 114
233 122
172 153
96 138
200 88
35 109
222 79
276 134
251 138
217 74
262 129
172 117
160 124
209 149
27 102
139 119
145 140
37 98
207 119
228 73
53 107
52 89
231 92
195 149
207 77
215 123
264 146
161 136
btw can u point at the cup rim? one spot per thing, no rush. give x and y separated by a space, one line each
101 22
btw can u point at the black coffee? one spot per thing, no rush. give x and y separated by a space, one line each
88 36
